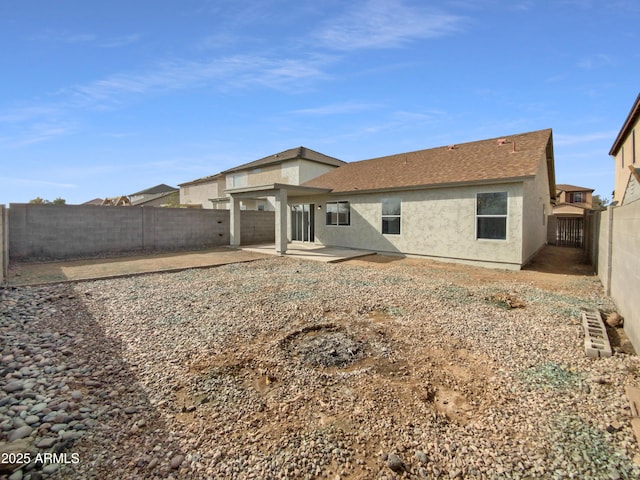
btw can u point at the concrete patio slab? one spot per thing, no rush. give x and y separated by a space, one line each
113 267
310 251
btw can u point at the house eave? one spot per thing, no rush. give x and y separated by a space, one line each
624 131
433 186
272 189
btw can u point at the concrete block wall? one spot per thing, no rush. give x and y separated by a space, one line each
257 227
552 226
4 244
619 263
50 232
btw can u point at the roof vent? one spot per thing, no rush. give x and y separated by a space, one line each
502 141
451 147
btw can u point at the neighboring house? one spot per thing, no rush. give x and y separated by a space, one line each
483 202
121 201
572 200
200 193
567 226
632 191
625 153
293 167
158 196
95 201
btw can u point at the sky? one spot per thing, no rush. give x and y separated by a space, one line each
106 98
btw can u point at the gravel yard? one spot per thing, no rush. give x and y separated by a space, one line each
281 368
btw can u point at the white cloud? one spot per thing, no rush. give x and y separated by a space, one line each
337 109
564 140
599 60
226 73
386 24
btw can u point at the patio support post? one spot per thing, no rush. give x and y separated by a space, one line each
234 222
281 221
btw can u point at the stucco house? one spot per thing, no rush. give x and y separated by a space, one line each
199 193
158 196
624 154
483 202
293 167
567 225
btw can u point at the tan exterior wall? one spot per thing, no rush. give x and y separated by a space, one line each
439 223
588 198
535 212
568 210
309 170
623 159
200 193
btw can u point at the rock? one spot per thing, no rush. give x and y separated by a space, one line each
395 463
50 468
421 456
16 447
614 320
17 475
46 442
14 386
176 461
58 427
19 433
31 419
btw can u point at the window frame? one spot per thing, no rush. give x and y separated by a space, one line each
478 217
337 204
387 216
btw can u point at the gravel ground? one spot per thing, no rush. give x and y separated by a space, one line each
288 369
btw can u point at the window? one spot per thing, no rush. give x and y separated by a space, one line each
491 215
338 213
575 197
391 215
239 180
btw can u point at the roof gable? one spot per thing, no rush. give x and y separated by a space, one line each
563 187
302 153
633 116
514 157
162 188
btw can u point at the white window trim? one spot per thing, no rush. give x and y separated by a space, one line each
383 216
506 233
336 202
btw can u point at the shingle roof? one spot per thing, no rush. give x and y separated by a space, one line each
162 188
563 187
515 156
206 179
291 154
628 125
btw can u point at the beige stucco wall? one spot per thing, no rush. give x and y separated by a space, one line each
200 193
536 209
568 210
622 171
438 223
309 170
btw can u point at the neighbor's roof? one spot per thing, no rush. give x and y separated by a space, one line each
209 178
291 154
628 125
512 157
563 187
162 188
